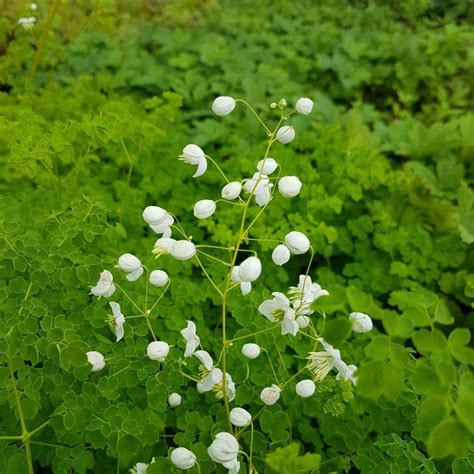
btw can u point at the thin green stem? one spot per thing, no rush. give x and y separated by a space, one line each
293 377
184 374
40 427
271 365
253 334
256 115
11 438
131 161
159 298
213 258
208 276
218 167
129 299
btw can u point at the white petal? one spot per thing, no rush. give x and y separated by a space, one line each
201 169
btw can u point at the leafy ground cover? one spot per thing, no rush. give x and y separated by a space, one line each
98 99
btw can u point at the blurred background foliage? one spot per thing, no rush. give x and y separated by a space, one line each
96 103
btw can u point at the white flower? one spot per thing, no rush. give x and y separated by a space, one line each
304 106
270 395
212 377
305 294
105 286
205 359
191 338
141 467
347 373
96 359
280 255
223 105
159 220
33 6
183 458
194 155
259 185
279 310
245 286
250 269
182 250
297 242
158 350
130 264
158 278
163 246
302 321
119 319
231 190
321 363
305 388
27 23
267 166
289 186
224 450
174 400
240 417
233 467
204 208
361 322
285 134
251 350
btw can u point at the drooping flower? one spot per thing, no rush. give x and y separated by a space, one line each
162 246
270 395
141 467
158 350
279 310
131 265
33 6
297 242
223 105
250 269
204 208
304 106
231 190
361 322
305 388
348 373
285 134
322 362
280 255
240 417
27 22
159 278
251 350
224 450
191 338
267 166
159 220
96 359
245 286
259 185
194 155
182 250
105 286
289 186
119 320
305 294
174 400
183 458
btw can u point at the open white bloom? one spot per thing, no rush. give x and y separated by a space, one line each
158 350
321 363
245 286
96 359
119 320
251 350
141 467
250 269
158 278
183 458
280 255
27 23
279 310
174 400
305 388
159 220
191 338
270 395
131 265
224 450
182 250
285 134
297 242
212 377
289 186
105 286
163 246
194 155
259 185
204 208
361 322
231 190
240 417
267 166
223 105
305 294
304 106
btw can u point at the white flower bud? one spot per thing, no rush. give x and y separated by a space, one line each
204 208
361 322
105 286
297 242
96 359
223 105
267 166
231 190
289 186
182 250
285 134
224 449
159 278
158 350
304 106
132 265
154 215
192 154
174 400
33 6
280 255
270 395
305 388
183 458
251 350
250 269
240 417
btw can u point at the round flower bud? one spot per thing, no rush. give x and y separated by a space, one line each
305 388
182 250
250 269
280 255
297 242
96 359
267 166
231 190
154 215
270 395
240 417
158 350
224 448
251 350
192 154
289 186
174 400
304 106
158 278
183 458
285 134
132 265
223 105
204 208
361 322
